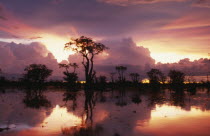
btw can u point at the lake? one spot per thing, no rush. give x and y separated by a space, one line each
120 112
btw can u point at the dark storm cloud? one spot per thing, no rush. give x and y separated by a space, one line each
93 17
136 2
202 3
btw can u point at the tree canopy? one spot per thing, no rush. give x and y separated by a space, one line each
88 49
156 76
176 77
37 73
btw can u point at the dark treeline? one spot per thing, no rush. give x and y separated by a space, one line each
36 74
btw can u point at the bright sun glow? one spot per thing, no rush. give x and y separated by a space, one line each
56 45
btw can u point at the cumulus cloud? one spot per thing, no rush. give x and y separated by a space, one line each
15 57
121 52
192 68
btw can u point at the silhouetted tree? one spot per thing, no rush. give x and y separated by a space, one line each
88 49
121 70
65 66
2 78
75 66
162 78
135 77
70 77
112 76
176 77
37 73
155 76
102 79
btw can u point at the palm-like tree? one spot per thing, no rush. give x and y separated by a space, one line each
112 76
121 70
135 77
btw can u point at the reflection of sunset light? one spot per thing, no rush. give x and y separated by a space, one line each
172 111
56 45
172 120
60 118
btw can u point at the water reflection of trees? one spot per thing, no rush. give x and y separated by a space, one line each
87 128
70 96
150 96
121 98
156 96
83 131
35 98
177 97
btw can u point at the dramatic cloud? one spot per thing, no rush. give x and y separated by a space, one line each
121 52
170 29
192 68
15 57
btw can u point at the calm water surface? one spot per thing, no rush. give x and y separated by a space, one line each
55 112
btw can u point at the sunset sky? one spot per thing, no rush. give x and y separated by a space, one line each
169 30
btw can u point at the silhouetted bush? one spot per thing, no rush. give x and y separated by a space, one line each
176 77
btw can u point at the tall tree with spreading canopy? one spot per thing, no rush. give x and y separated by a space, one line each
88 49
37 73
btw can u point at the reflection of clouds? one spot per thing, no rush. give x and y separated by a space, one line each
15 112
108 118
173 121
